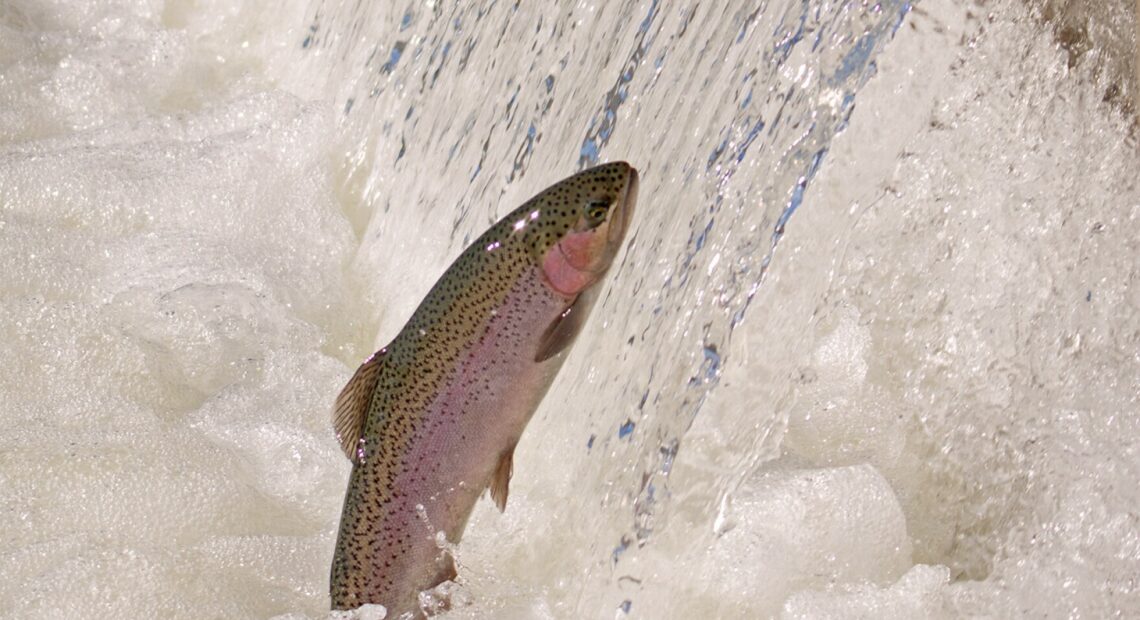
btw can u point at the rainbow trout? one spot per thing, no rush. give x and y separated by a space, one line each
431 420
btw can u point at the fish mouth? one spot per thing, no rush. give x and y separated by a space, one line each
624 213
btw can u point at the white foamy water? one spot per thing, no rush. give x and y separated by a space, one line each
871 351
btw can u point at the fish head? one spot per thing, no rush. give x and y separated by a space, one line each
580 224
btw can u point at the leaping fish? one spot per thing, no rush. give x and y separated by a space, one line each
431 420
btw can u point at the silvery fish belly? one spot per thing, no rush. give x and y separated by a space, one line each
431 421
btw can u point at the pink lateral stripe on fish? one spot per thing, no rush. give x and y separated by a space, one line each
431 420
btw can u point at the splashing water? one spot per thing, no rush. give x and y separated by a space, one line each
856 360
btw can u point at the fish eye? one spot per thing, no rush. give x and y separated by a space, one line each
596 211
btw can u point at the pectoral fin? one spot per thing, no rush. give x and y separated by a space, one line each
561 333
351 408
502 478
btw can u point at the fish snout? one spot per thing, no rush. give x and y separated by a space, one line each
623 211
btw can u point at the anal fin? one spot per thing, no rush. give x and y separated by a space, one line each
445 569
502 478
351 409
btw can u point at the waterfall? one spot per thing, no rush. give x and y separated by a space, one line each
870 349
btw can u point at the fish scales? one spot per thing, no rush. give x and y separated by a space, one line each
431 420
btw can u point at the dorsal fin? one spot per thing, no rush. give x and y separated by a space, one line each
502 478
351 408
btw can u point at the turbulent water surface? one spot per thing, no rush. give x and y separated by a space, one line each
871 349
